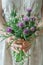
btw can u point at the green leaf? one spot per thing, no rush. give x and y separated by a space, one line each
22 53
18 33
16 20
13 53
13 13
33 35
25 37
31 24
19 56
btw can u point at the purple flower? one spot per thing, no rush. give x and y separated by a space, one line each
26 18
28 9
32 18
20 24
32 29
9 29
26 31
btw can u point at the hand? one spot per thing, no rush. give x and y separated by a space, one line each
20 43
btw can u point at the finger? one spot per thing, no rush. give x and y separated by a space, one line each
9 39
14 50
26 44
16 45
25 49
20 41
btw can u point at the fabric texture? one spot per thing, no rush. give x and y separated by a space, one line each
20 6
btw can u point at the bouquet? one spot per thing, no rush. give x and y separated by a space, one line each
22 31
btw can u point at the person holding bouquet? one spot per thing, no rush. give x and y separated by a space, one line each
35 11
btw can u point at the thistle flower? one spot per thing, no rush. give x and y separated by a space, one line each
26 18
9 29
20 24
32 29
28 9
26 31
32 18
